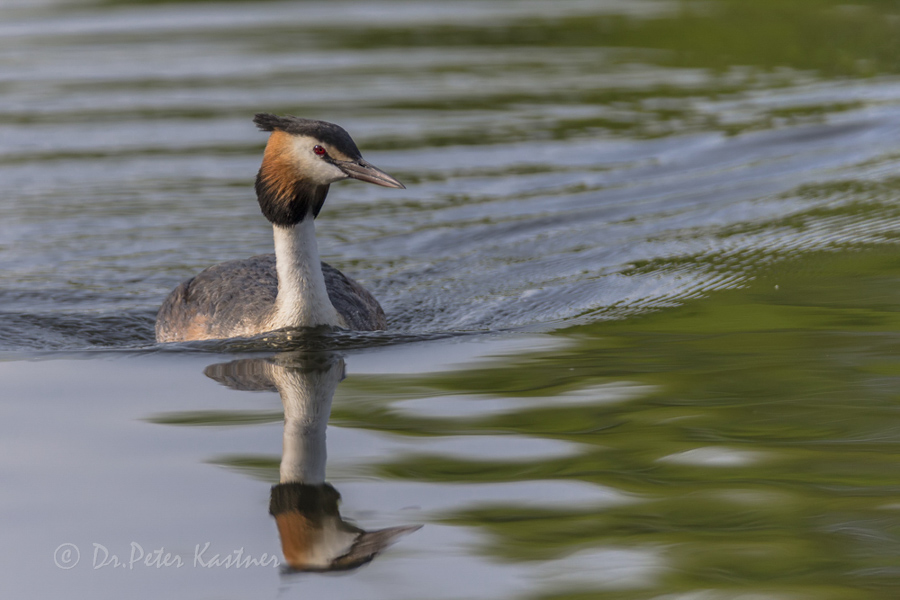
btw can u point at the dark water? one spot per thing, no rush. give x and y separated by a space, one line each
642 294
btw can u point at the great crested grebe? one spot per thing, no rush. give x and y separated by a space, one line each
290 288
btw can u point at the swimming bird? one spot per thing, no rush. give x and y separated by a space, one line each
291 288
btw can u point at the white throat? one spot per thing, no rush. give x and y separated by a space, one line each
302 297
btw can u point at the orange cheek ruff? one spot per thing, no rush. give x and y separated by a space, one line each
278 165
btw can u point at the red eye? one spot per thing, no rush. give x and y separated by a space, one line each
319 150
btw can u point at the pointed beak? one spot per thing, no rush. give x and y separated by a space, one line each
360 169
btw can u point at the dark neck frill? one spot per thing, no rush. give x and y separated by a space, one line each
286 203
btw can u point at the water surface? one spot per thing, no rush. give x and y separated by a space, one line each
641 292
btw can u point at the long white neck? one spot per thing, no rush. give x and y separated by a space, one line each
302 297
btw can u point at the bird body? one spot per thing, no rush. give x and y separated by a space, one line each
291 288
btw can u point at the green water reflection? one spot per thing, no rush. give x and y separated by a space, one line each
763 443
653 67
754 433
833 37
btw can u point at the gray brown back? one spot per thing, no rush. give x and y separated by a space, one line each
230 298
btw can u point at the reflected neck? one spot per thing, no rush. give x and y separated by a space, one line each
302 299
306 397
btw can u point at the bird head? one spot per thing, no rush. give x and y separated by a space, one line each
302 158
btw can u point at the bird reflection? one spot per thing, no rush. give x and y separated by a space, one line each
314 537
